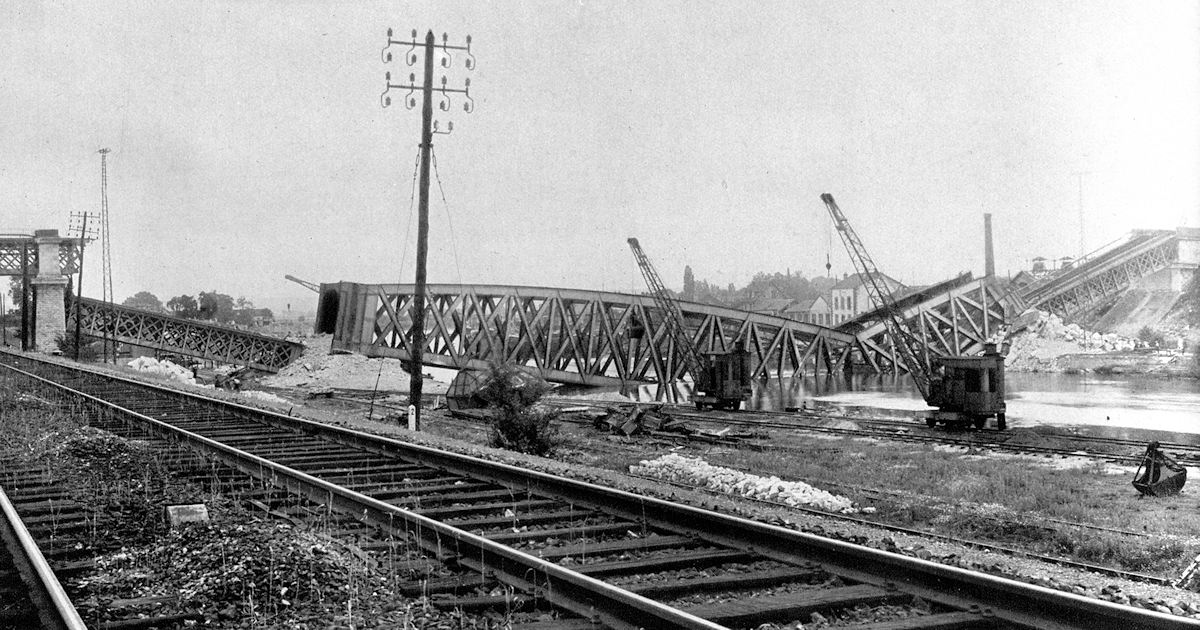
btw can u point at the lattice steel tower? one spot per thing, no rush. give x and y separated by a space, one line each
106 247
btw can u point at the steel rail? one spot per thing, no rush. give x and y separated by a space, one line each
1016 603
585 596
54 608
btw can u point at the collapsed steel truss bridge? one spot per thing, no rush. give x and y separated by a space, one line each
1102 277
567 335
955 317
615 339
172 334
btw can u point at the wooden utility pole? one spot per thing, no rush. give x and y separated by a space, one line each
428 128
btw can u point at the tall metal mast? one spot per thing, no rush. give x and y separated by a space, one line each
903 340
106 248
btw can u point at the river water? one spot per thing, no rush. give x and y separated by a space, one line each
1117 406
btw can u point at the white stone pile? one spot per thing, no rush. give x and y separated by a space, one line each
1042 346
1051 326
163 369
696 471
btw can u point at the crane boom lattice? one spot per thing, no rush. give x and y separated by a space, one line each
893 320
673 316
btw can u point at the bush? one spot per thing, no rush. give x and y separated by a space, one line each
1151 337
518 424
66 345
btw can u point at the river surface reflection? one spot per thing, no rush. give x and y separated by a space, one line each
1118 404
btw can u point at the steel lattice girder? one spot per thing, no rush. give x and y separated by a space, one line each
10 256
172 334
569 335
1106 284
1095 281
955 322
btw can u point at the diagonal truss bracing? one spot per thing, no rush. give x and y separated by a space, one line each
569 335
954 321
182 336
1101 278
15 250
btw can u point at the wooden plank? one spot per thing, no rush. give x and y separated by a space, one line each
650 543
724 582
755 610
944 621
680 560
565 533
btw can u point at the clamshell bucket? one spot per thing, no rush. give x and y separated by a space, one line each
1159 475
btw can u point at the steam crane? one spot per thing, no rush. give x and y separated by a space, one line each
965 389
722 380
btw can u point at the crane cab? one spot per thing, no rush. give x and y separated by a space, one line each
725 379
968 389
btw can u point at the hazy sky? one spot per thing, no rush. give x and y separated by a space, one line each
248 140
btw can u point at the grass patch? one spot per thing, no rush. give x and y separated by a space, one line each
1011 501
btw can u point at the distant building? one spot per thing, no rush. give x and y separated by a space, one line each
253 316
814 311
770 306
850 298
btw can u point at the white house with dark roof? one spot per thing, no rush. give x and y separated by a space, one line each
814 311
850 298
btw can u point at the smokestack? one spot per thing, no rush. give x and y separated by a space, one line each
989 258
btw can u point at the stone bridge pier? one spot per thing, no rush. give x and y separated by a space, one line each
50 288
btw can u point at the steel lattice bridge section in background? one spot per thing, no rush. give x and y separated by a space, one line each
951 318
1104 276
567 335
172 334
16 249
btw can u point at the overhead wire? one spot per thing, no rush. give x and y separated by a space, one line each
412 202
449 220
412 197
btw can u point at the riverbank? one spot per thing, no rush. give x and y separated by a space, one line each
1050 345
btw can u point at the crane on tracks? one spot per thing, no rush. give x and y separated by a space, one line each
964 389
722 379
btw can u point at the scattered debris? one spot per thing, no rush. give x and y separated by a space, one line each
652 420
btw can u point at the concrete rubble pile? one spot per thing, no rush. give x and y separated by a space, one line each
696 471
164 369
1045 340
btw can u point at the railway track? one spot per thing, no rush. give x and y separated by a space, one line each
30 594
541 551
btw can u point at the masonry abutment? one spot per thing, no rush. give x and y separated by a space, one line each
50 286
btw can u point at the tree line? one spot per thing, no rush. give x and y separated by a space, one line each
207 305
764 285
